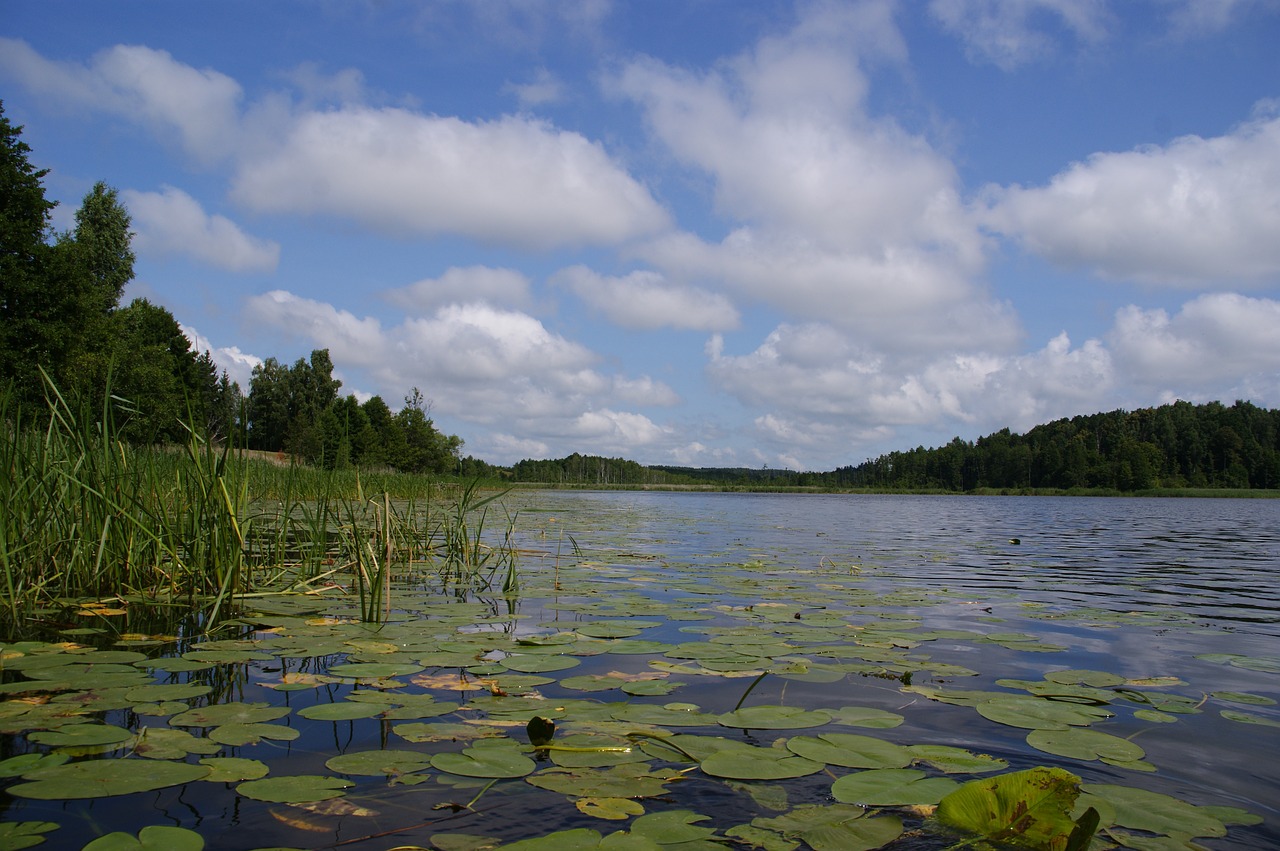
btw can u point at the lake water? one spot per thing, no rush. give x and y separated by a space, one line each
893 604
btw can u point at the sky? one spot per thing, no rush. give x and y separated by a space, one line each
690 232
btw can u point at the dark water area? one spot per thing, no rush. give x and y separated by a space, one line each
1015 588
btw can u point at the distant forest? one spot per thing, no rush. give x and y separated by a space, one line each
1174 446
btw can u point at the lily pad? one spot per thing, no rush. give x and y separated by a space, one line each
104 778
233 769
891 787
533 664
634 780
774 718
1085 744
81 735
24 834
151 838
1139 809
499 759
955 760
850 751
380 763
374 670
866 716
297 789
218 714
237 735
1038 714
1027 808
345 710
165 743
747 762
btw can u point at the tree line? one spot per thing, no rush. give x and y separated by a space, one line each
64 331
1180 445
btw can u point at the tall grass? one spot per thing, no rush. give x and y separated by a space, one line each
87 515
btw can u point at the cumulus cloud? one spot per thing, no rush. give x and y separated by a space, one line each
172 222
1012 33
514 180
840 215
485 365
1218 345
200 106
464 285
238 364
821 390
543 89
645 300
1195 213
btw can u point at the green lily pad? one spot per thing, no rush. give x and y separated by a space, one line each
633 780
891 787
160 693
955 760
865 716
346 710
746 762
835 827
152 838
1085 744
1139 809
1248 718
665 716
238 735
16 766
612 809
82 735
374 670
650 687
164 743
104 778
485 759
671 827
233 769
1037 714
298 789
220 714
1243 697
532 664
380 763
1028 808
850 751
773 718
24 834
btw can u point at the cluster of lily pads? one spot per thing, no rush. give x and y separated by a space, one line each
562 702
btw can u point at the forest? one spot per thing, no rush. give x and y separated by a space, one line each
64 332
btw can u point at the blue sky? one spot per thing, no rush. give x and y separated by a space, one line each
708 233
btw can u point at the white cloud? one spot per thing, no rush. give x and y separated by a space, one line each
841 216
238 365
172 222
1217 346
464 285
1190 19
1011 33
645 300
484 365
543 89
1195 213
141 84
514 181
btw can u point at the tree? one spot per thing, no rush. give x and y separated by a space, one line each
25 303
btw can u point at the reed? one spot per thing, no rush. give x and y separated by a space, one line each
87 515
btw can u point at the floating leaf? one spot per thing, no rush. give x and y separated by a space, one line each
1027 808
1140 809
1248 718
104 778
294 790
159 693
955 760
237 735
773 718
865 716
342 711
151 838
485 759
1085 744
613 809
24 834
374 670
1243 697
219 714
850 751
16 766
164 743
619 781
232 769
671 827
1037 714
746 762
891 787
81 735
384 763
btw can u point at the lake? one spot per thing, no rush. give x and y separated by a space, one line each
1132 642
